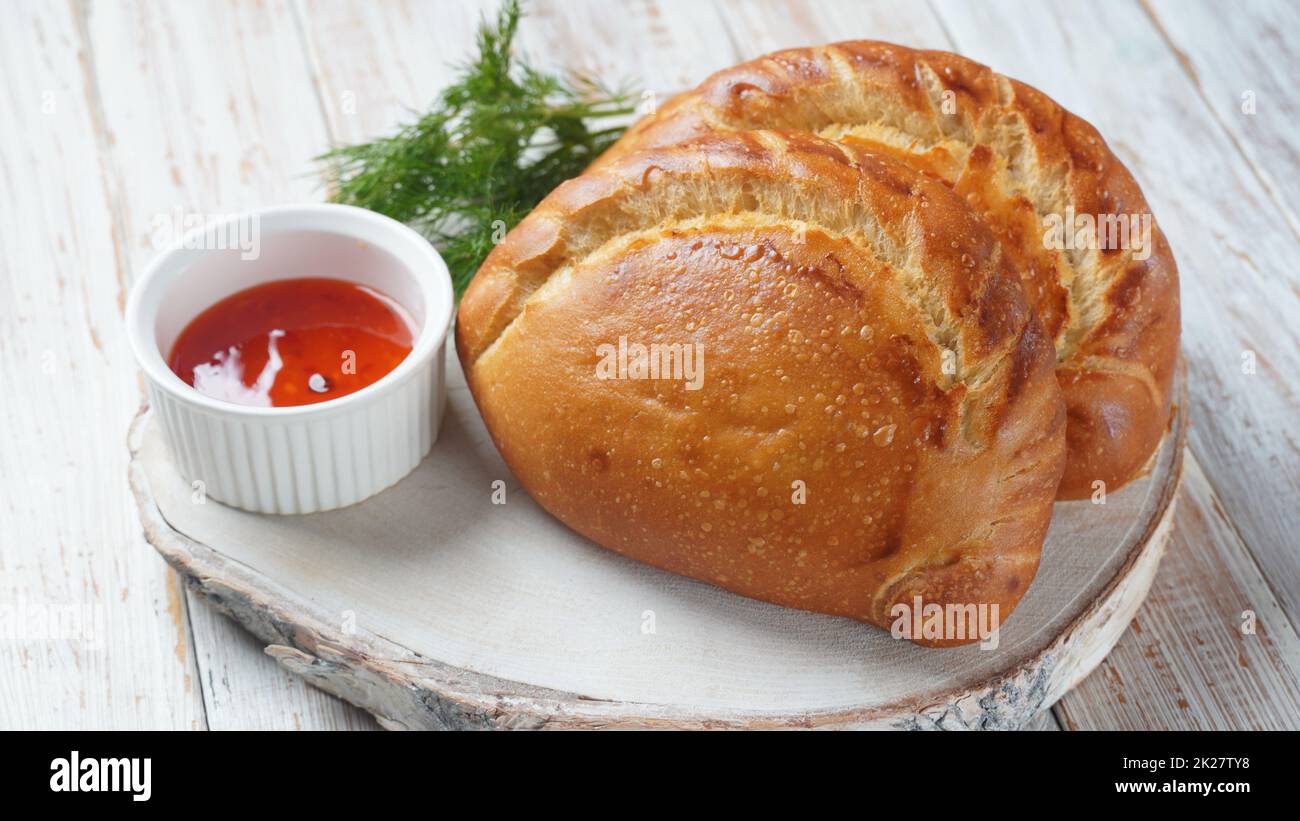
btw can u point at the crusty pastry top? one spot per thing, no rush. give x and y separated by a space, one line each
878 420
1020 160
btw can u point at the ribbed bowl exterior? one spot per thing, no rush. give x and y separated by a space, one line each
305 463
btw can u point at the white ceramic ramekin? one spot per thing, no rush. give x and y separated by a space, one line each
310 457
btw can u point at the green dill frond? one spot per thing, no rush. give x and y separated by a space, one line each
495 142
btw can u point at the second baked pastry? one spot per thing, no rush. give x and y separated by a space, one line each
1066 212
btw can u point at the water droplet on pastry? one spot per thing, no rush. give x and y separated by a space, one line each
884 436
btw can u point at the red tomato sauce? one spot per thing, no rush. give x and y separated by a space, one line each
293 342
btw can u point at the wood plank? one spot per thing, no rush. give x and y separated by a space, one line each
1240 290
377 65
662 46
93 629
1243 67
1186 664
245 689
211 110
760 26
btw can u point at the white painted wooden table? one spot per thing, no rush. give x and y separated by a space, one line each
114 113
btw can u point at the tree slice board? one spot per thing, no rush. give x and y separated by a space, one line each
432 607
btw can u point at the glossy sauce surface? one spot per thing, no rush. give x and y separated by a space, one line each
293 342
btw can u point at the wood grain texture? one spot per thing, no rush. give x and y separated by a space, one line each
1234 246
245 689
211 110
93 632
376 65
1243 67
659 46
760 26
1187 664
491 622
212 106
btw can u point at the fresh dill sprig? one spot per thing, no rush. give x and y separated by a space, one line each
495 142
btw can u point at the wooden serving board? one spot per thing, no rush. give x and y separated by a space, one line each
432 607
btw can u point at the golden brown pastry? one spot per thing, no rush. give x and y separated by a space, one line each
875 419
1018 158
